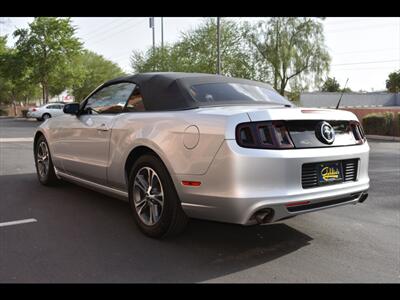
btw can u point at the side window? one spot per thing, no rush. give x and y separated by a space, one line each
135 101
54 106
111 99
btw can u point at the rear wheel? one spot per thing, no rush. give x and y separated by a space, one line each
46 116
153 199
44 165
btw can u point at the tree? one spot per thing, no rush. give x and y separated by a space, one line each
3 44
289 50
14 76
92 70
160 59
49 46
196 51
393 82
3 84
330 85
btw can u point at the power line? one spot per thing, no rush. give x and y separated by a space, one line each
332 21
118 32
358 28
112 56
367 51
109 30
367 62
90 34
362 69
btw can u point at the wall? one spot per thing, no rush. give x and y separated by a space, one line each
321 99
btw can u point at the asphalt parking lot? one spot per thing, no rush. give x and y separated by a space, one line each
82 236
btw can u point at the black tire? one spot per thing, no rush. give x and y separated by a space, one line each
46 116
173 219
49 178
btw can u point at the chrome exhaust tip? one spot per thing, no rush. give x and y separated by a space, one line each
264 215
363 197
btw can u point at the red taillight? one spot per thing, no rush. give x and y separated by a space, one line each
191 183
357 131
264 135
297 203
33 109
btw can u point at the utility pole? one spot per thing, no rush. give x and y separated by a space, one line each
162 43
152 25
218 46
162 33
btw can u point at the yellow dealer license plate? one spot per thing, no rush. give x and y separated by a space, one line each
330 172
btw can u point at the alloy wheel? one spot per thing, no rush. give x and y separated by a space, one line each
43 159
148 196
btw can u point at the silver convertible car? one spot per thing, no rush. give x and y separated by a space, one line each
180 145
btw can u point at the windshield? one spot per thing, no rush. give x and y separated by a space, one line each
232 93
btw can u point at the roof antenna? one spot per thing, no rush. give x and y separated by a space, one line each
337 106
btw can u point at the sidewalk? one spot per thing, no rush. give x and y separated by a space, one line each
383 138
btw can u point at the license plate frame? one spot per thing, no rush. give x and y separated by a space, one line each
330 172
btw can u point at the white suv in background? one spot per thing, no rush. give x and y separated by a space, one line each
46 111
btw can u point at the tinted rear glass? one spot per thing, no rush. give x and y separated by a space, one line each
227 92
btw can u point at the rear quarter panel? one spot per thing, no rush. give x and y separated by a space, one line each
163 132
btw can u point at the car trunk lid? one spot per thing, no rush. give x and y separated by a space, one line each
304 125
286 113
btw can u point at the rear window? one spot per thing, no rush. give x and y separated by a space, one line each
235 93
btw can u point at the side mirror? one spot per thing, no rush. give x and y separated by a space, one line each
71 108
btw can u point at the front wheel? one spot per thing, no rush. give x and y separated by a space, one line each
153 199
44 165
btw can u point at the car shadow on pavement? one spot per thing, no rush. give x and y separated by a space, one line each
84 236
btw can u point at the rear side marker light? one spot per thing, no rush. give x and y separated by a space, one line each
297 203
191 183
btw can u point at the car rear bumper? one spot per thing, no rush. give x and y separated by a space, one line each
31 114
242 182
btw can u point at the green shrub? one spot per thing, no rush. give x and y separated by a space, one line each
24 112
380 124
3 112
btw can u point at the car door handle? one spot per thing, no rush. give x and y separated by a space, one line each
103 127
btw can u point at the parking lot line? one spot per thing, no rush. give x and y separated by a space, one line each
4 224
10 140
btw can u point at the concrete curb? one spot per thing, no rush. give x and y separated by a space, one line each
12 117
383 138
18 118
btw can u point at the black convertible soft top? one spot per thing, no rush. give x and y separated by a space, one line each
170 90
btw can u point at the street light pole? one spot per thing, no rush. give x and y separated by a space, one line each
162 33
162 43
152 25
218 46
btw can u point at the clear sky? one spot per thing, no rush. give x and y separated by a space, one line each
365 50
